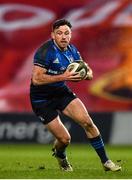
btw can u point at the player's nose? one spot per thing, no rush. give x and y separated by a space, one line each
63 36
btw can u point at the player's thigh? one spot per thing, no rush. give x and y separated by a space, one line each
77 111
57 128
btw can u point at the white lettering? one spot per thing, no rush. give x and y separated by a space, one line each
98 16
43 135
124 18
40 17
20 131
34 131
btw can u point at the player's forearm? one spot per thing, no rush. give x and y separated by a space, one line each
47 79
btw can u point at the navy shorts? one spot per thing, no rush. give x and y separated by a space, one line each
49 108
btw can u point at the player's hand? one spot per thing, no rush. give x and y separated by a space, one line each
89 75
71 76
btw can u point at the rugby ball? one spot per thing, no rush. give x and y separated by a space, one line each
80 67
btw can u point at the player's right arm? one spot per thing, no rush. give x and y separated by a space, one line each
39 76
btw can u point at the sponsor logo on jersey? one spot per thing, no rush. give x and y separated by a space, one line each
56 61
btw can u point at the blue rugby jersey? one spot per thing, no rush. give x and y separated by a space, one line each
49 56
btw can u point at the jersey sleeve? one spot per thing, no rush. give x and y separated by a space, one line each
42 57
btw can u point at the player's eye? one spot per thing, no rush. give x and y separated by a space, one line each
59 33
67 33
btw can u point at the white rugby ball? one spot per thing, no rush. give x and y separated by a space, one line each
80 67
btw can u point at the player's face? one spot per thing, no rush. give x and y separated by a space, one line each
62 36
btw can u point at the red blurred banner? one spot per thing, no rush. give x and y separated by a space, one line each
102 31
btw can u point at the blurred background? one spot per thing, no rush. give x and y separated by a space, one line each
102 31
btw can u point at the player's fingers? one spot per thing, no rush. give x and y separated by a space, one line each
75 73
77 77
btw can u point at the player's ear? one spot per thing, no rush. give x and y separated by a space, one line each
52 35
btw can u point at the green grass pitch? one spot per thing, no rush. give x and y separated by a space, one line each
30 161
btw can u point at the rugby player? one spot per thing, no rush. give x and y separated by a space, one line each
50 95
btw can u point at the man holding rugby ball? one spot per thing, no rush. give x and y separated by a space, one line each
50 94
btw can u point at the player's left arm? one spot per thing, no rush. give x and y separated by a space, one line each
89 75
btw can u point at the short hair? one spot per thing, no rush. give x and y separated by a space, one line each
61 22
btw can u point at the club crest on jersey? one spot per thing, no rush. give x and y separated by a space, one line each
71 59
56 61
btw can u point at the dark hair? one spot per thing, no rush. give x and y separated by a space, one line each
61 22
